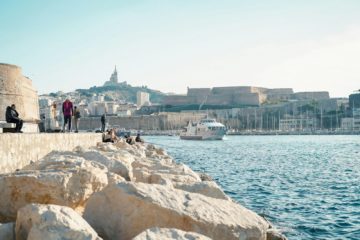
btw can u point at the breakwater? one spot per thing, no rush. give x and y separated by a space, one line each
120 191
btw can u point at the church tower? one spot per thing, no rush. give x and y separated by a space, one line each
114 76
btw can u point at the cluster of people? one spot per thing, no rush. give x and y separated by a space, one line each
70 112
110 136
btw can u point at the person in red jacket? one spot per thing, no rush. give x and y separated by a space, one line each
68 112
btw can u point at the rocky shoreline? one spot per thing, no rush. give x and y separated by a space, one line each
120 191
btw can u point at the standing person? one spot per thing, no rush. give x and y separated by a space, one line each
103 122
68 112
77 117
12 116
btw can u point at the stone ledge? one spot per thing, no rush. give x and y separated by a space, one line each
7 125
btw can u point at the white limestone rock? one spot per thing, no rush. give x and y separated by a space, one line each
114 178
37 221
68 187
150 170
127 209
117 162
169 234
208 188
7 231
274 234
64 160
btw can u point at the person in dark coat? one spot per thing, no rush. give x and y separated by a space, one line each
138 138
103 122
12 116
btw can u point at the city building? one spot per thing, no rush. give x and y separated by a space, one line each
354 100
142 99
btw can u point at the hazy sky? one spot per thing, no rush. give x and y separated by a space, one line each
171 44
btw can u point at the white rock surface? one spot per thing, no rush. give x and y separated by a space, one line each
70 184
36 222
208 188
169 234
7 231
155 170
118 162
126 209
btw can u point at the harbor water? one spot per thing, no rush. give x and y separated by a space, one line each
308 186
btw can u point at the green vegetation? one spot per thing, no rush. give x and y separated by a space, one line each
123 92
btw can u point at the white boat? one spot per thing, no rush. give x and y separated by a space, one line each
206 129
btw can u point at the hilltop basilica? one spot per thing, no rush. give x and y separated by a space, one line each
114 80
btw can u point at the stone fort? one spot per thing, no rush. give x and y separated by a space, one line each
17 89
239 95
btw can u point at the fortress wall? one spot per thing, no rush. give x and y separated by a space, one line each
17 89
131 122
220 99
18 150
231 90
249 99
177 100
280 91
311 95
164 121
198 92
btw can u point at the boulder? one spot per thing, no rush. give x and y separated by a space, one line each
65 160
169 234
37 221
274 234
208 188
150 170
114 178
127 209
7 231
68 187
117 162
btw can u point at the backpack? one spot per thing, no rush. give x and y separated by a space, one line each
77 114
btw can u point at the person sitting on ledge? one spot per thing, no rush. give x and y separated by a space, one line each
12 116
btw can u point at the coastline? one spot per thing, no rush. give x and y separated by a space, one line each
121 191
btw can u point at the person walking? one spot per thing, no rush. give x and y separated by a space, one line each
103 122
12 116
77 117
68 112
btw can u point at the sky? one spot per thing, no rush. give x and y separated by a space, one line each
169 45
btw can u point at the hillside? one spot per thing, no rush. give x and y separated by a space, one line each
122 91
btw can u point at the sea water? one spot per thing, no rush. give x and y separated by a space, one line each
307 186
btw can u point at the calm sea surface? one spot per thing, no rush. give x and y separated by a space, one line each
308 186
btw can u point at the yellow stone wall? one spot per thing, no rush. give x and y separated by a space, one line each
17 89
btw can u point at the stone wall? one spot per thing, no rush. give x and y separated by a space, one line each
311 95
17 89
18 150
178 100
164 121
